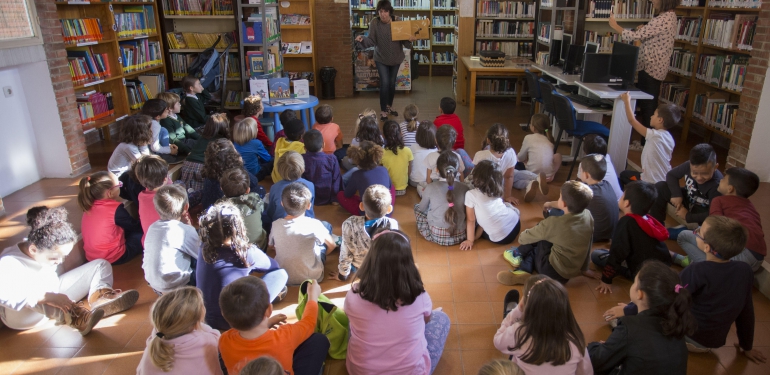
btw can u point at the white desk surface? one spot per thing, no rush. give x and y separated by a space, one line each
603 92
556 73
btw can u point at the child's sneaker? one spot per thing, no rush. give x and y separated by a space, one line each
532 188
673 233
281 295
113 301
513 257
400 193
681 260
513 277
542 180
337 240
83 319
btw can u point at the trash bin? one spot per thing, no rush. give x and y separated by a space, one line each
327 77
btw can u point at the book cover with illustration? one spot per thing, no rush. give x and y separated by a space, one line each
301 88
259 87
279 88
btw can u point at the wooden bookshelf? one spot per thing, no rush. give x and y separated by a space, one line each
490 18
304 62
269 41
109 45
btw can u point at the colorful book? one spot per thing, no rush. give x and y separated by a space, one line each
279 88
301 88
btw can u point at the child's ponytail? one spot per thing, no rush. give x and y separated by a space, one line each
410 115
92 188
667 299
174 314
447 164
542 125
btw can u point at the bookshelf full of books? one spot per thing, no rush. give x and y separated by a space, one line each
553 19
259 40
507 26
114 56
297 42
628 13
708 67
434 56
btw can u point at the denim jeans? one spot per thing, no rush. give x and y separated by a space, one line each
388 75
522 178
686 240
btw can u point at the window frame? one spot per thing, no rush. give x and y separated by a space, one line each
34 22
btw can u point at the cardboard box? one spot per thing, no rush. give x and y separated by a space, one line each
403 30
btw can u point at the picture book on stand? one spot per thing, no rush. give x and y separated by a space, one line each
279 88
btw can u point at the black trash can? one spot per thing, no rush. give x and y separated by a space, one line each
327 77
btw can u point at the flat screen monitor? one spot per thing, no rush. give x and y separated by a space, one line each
566 41
553 52
623 65
592 47
573 60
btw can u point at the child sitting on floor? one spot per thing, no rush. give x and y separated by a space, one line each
557 246
255 157
180 134
193 112
448 117
292 142
409 126
291 166
157 110
226 256
604 204
502 154
637 238
171 244
180 341
252 108
135 137
424 146
368 157
331 132
300 243
595 144
440 215
367 130
397 159
220 157
235 185
109 232
498 221
321 169
217 127
246 306
357 230
445 140
151 172
536 153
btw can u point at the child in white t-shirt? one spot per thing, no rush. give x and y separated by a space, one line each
538 158
424 146
446 136
499 151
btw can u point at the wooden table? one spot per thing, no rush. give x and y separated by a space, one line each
470 70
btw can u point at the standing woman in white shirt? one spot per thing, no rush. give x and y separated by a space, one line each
657 38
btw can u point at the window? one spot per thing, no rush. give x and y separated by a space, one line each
18 24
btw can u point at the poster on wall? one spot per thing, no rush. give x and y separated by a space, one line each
368 79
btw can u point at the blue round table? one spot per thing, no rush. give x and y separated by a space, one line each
309 104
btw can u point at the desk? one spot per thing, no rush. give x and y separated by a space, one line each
620 129
310 102
556 73
512 68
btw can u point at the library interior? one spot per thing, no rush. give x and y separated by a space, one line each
581 163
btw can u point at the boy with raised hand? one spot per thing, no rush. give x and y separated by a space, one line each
246 306
637 238
736 187
701 183
656 155
557 246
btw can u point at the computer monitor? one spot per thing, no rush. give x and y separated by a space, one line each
573 60
553 52
566 41
623 65
592 47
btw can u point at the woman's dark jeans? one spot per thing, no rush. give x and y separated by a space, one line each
388 75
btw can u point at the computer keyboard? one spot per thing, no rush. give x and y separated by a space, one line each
584 100
569 88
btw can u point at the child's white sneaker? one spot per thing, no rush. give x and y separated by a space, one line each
531 192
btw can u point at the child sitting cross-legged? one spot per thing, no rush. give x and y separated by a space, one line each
221 156
193 109
409 126
652 341
595 144
368 157
357 230
331 132
227 256
180 134
135 138
321 169
252 108
538 159
171 244
294 130
637 238
500 152
396 158
736 188
440 215
291 166
157 110
256 158
447 107
557 246
445 140
541 334
151 172
301 243
255 333
425 144
180 341
604 204
366 130
498 221
266 365
235 185
217 127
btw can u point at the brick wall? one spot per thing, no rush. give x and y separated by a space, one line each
752 90
334 43
56 57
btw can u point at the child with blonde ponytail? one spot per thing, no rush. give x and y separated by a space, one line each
109 232
180 342
409 126
441 213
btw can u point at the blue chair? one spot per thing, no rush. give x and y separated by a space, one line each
546 90
534 91
565 117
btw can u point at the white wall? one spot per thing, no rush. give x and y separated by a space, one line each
758 155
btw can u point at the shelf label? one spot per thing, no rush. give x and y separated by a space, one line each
93 83
86 44
124 81
142 37
111 11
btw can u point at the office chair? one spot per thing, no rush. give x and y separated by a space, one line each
565 117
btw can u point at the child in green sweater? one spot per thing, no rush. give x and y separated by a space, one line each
179 133
193 112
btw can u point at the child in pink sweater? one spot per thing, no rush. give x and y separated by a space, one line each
151 172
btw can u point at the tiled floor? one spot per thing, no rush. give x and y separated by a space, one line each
462 283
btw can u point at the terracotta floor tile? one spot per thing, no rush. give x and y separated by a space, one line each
595 331
466 274
434 274
31 338
618 293
586 311
493 256
12 357
450 364
704 363
439 292
124 363
436 258
46 360
579 289
490 271
90 361
474 313
110 335
453 339
139 339
335 367
458 257
474 359
737 363
496 292
469 292
477 336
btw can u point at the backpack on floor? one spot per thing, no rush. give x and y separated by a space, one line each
332 322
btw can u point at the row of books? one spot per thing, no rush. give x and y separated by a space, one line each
444 4
725 71
693 3
259 64
623 9
735 3
421 44
270 25
309 76
505 9
94 105
140 54
135 21
144 87
411 4
444 57
688 28
446 20
180 63
362 19
81 30
505 29
604 40
726 30
511 49
199 40
274 90
86 66
233 99
496 86
295 19
682 62
542 58
674 93
714 110
363 3
442 37
422 58
198 7
544 32
304 47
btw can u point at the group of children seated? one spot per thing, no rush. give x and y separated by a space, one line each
212 306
